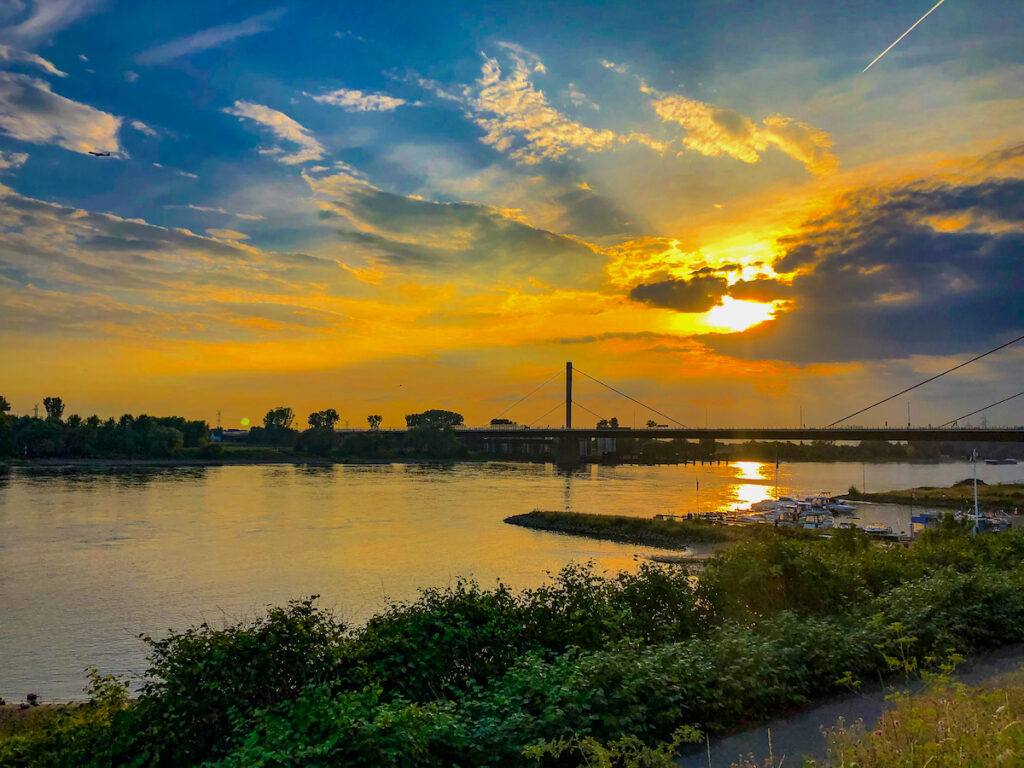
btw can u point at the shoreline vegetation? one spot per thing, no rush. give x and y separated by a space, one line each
645 531
588 664
960 495
430 435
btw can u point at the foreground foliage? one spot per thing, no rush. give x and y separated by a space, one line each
952 726
606 670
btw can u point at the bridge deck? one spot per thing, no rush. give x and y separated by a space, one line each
925 434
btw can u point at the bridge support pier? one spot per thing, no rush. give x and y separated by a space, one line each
567 452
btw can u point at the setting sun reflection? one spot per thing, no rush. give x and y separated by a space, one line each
750 494
750 470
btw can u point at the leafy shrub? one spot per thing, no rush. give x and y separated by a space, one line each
356 730
969 611
452 638
774 574
441 643
202 679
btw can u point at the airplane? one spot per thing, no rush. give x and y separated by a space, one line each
99 154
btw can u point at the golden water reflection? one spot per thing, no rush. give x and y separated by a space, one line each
750 470
750 494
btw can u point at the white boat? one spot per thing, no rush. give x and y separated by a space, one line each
818 521
878 530
829 502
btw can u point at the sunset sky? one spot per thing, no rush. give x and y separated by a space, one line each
386 207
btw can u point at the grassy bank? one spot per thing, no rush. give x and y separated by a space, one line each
951 726
1005 496
665 534
586 664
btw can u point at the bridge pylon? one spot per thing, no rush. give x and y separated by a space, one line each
568 395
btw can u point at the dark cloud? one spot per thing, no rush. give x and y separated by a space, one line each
760 289
627 336
593 215
468 238
924 268
698 294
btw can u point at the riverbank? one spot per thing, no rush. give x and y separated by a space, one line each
675 534
991 497
225 461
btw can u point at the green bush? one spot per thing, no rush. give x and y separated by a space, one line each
773 573
202 680
355 730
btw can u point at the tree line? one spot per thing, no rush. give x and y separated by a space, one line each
430 434
53 436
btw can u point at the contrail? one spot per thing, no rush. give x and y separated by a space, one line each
902 36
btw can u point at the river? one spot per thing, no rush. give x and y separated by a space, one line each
89 559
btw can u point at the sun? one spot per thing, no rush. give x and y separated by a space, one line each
733 315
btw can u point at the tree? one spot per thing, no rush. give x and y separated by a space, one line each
602 424
651 423
374 421
434 419
5 406
279 418
54 407
324 419
614 422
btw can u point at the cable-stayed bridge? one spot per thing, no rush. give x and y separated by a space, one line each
569 442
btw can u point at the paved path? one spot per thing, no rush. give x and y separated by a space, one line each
798 735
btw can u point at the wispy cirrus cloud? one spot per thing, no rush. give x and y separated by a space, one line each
284 128
31 112
209 209
141 127
356 101
13 55
214 37
44 17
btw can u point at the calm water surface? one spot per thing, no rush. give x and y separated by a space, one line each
90 559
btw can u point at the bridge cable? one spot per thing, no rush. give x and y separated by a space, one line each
926 381
578 405
618 392
990 405
559 404
533 392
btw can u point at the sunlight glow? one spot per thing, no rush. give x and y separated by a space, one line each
735 315
749 470
750 494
